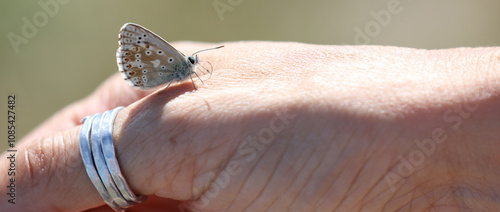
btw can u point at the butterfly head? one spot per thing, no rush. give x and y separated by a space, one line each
193 59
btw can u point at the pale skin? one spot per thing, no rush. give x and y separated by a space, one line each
287 127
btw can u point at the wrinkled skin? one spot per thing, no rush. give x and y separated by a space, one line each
288 127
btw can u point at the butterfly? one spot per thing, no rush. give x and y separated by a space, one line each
146 60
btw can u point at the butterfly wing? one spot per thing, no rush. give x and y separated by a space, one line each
145 60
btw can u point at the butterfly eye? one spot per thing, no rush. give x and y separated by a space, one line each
191 60
148 52
170 60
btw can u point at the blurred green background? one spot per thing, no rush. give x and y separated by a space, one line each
73 49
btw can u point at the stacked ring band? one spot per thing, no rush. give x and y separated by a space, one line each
99 158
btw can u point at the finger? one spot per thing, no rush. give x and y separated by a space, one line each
50 176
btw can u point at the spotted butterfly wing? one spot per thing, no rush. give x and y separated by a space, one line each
145 60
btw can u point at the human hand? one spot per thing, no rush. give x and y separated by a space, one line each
288 126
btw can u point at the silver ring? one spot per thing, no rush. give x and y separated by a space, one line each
111 161
99 158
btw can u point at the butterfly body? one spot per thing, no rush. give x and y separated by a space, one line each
145 60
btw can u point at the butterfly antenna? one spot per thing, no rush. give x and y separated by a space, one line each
218 47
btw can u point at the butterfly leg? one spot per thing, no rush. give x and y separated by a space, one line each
200 69
191 77
212 67
166 87
198 76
